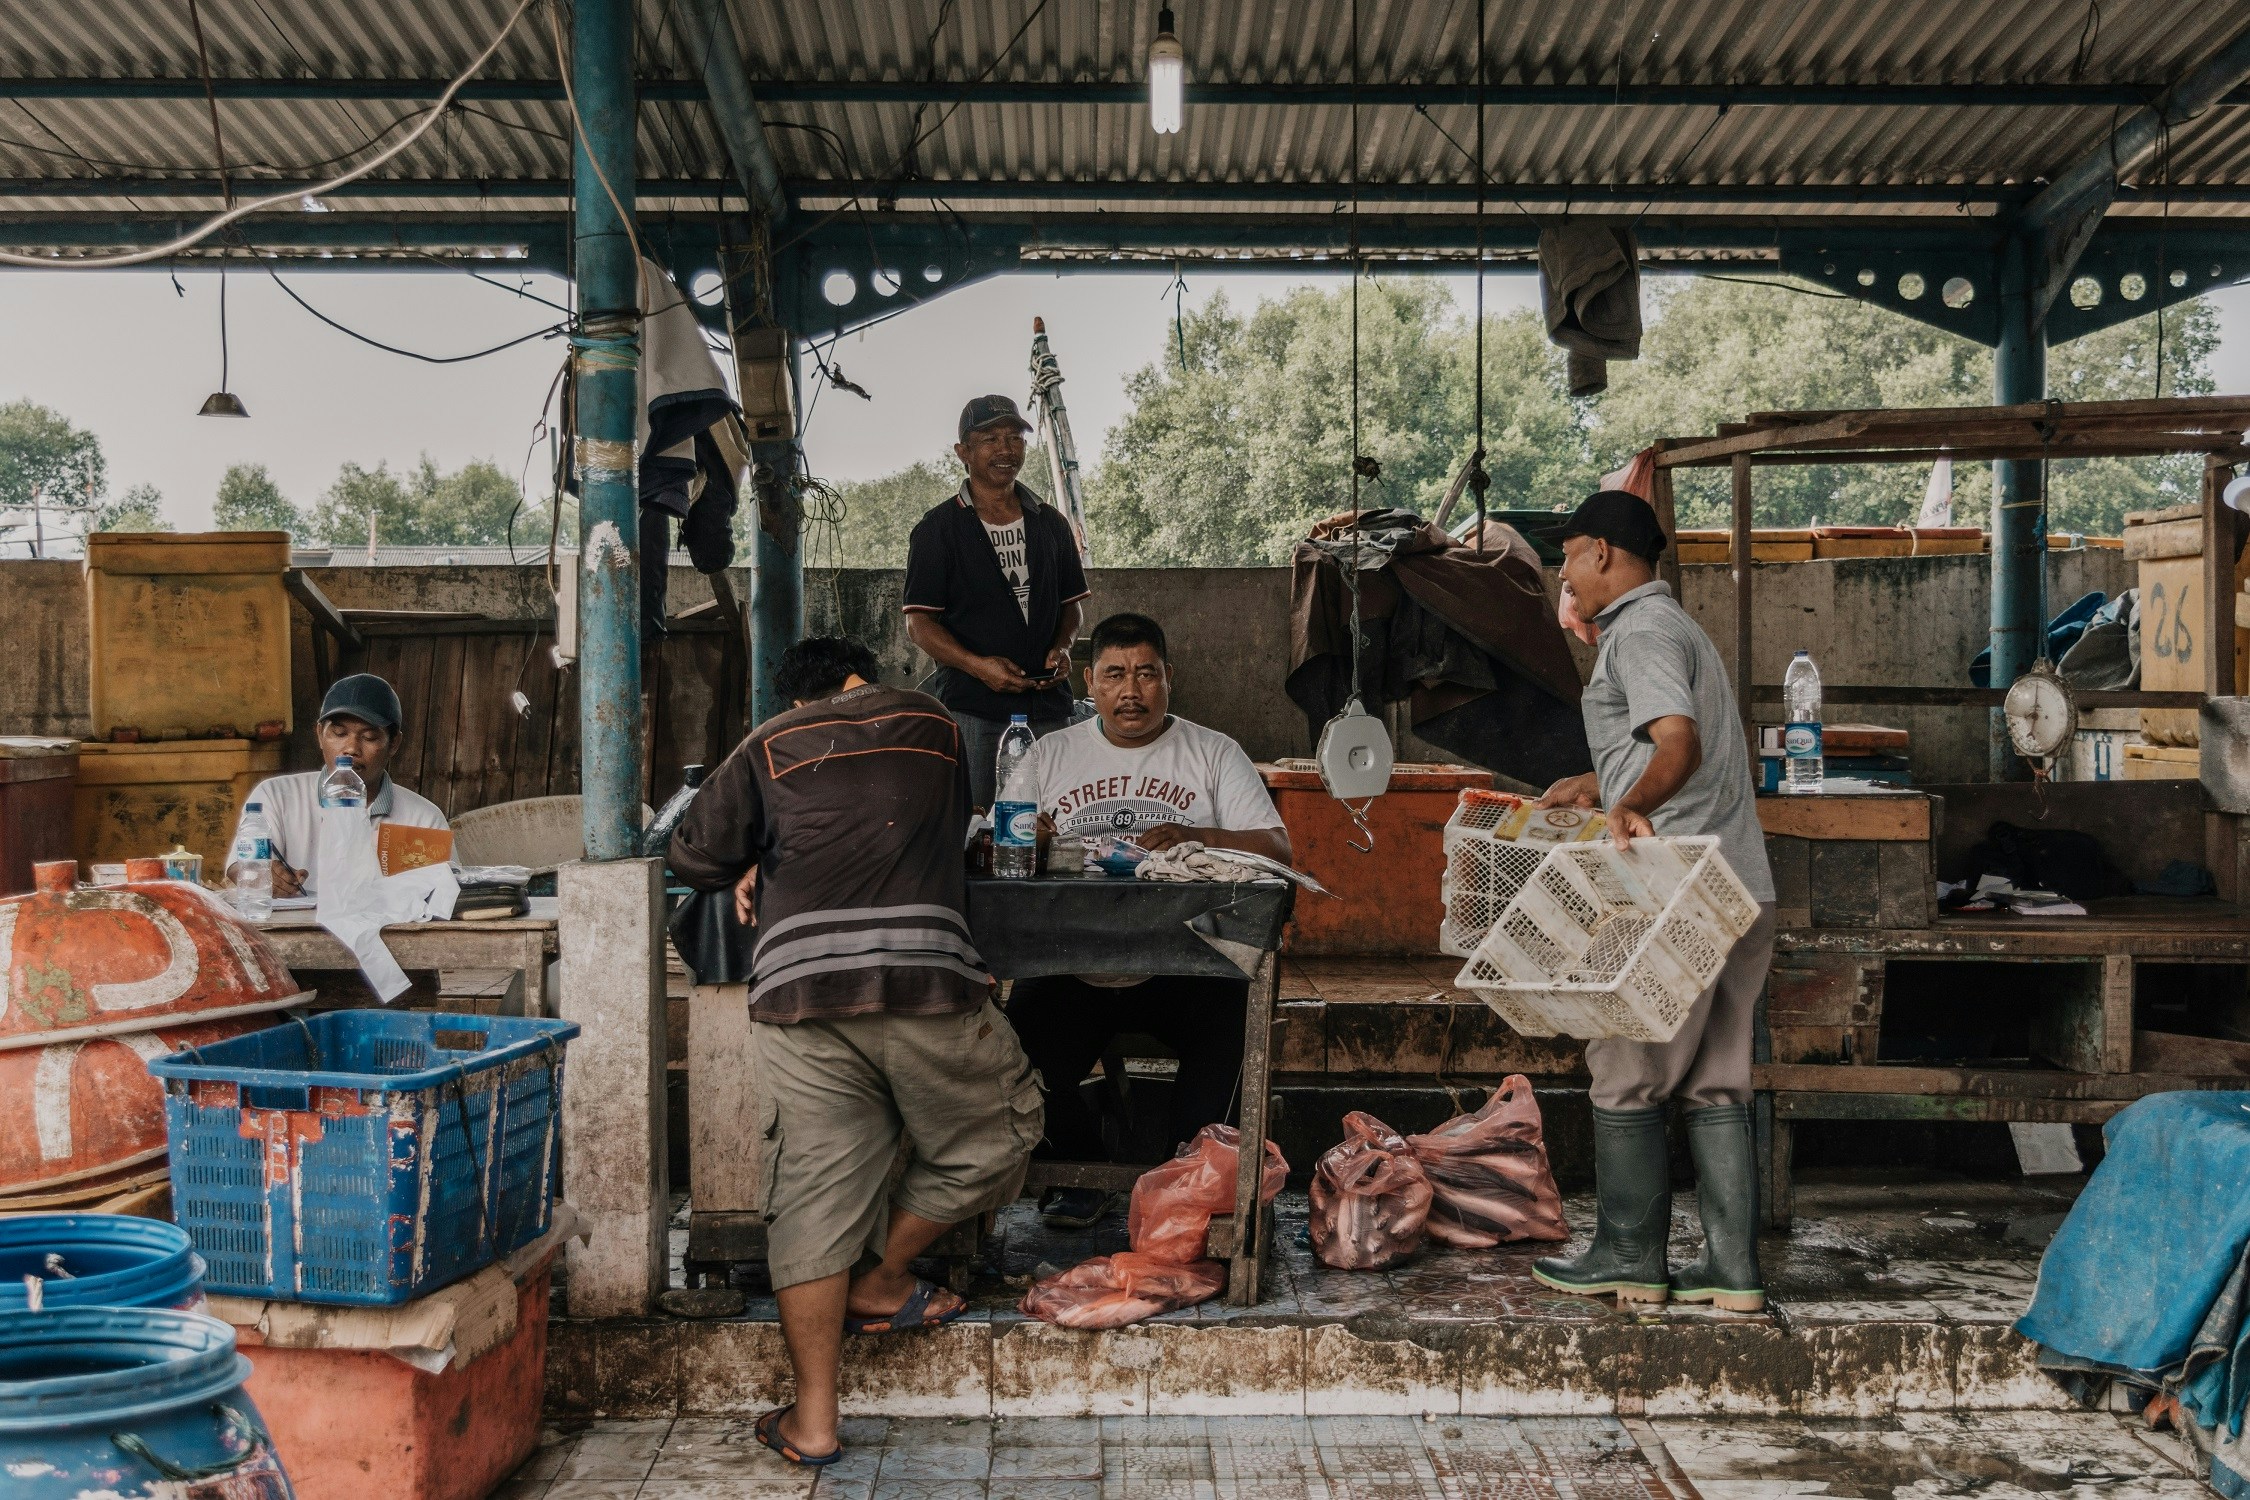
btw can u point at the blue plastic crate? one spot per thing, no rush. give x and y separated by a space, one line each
349 1157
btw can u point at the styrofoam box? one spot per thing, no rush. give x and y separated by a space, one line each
1604 942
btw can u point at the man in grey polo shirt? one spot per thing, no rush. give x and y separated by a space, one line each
1669 758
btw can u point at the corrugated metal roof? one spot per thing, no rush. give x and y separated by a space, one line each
1806 150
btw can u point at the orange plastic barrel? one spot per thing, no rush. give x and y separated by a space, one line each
1388 901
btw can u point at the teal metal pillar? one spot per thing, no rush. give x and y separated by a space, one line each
605 360
2019 501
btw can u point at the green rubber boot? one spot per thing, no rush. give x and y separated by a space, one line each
1633 1213
1726 1190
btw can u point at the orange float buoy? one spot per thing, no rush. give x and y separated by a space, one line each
105 960
98 981
73 1111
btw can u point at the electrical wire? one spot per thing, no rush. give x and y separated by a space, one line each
551 331
220 221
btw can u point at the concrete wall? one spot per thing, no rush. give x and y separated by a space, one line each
1914 621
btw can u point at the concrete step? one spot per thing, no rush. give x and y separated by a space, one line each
1892 1295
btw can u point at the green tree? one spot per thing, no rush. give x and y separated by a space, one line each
470 507
1231 452
140 508
1717 350
51 473
249 500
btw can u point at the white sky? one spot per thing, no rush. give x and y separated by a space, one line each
124 354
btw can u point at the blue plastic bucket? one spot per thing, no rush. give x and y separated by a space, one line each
131 1402
105 1260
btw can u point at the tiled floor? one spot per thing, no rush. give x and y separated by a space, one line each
1996 1457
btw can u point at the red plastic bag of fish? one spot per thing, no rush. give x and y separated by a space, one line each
1170 1219
1111 1291
1370 1198
1490 1173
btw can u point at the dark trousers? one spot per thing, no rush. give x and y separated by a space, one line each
1064 1024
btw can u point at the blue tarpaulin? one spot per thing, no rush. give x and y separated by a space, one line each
2148 1280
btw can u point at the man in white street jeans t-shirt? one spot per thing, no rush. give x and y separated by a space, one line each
1135 769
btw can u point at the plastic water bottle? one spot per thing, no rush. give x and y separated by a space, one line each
1015 817
1800 740
342 786
252 859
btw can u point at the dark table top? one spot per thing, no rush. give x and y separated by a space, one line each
1099 924
1056 924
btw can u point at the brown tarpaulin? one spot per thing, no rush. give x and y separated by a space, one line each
1468 639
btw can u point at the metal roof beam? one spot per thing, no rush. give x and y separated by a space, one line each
1078 192
1012 92
2060 222
734 108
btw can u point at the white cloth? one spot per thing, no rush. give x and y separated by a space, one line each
292 808
1015 562
1188 775
359 901
1192 861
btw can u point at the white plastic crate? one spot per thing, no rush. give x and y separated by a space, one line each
1603 942
1493 842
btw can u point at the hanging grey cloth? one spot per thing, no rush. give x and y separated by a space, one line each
1590 286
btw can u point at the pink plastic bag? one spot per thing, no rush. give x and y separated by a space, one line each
1173 1204
1490 1173
1638 477
1111 1291
1370 1198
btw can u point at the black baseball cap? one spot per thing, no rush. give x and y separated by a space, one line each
365 696
990 411
1618 517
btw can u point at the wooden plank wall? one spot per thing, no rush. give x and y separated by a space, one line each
468 747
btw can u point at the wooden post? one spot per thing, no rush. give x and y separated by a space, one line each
1667 516
2218 583
1247 1255
1740 552
726 1165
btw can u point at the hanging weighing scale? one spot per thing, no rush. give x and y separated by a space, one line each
2041 714
1355 753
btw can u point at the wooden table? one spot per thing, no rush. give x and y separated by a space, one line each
523 945
1821 1043
727 1192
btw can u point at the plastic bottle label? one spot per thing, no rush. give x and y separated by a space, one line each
260 848
1801 741
1015 824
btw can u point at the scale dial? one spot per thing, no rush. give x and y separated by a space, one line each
2041 713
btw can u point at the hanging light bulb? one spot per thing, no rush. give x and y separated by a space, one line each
223 402
1167 78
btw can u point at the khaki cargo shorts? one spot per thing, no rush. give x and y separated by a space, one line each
834 1098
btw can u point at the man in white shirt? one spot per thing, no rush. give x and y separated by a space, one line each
1137 770
360 718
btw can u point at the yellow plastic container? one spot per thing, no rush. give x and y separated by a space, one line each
135 800
189 633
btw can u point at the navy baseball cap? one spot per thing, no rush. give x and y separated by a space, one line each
365 696
1618 517
990 411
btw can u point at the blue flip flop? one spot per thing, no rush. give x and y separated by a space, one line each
768 1432
913 1313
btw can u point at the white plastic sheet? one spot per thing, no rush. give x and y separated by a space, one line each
357 900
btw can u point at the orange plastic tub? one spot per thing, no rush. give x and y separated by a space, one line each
358 1424
1388 902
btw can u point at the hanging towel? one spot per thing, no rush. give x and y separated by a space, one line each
1590 286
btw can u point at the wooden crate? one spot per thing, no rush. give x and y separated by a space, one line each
1767 545
2167 546
2162 763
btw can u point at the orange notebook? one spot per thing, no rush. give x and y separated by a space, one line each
398 847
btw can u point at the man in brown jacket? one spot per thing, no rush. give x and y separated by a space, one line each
840 824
